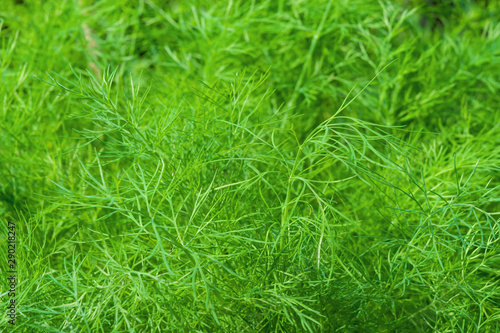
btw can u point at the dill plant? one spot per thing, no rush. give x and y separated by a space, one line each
347 180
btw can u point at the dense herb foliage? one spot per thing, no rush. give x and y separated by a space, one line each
251 166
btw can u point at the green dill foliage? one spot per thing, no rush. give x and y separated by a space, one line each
251 166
